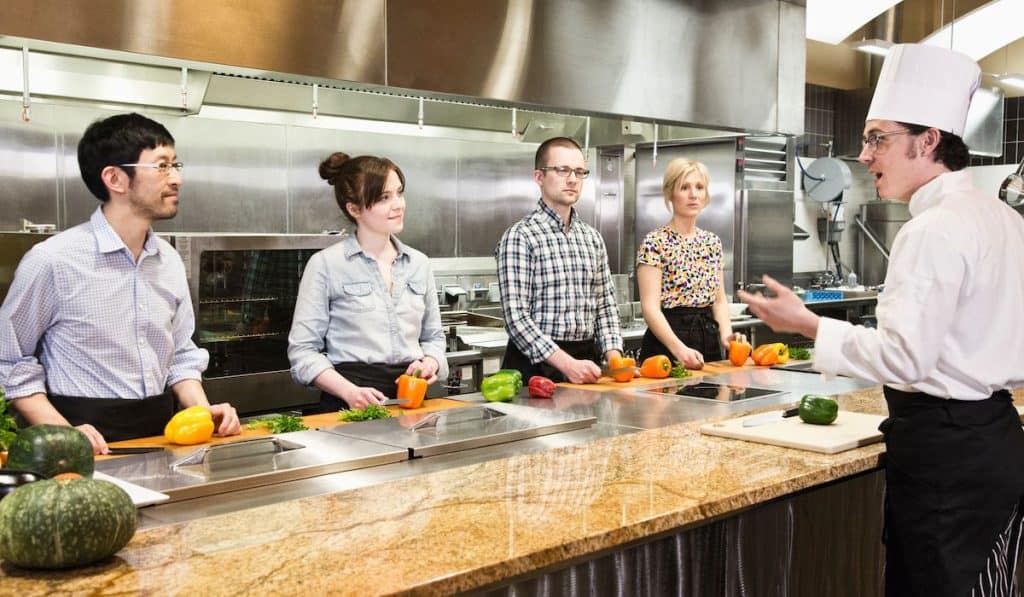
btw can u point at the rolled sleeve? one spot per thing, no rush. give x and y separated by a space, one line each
515 278
189 360
27 312
306 340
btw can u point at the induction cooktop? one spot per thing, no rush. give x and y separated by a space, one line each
718 392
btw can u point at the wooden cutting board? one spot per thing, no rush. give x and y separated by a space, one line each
311 421
606 383
850 430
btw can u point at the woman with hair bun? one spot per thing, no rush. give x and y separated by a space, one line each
367 309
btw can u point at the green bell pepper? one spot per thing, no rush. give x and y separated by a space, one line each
818 410
500 387
516 373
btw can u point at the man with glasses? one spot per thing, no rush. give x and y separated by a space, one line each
96 330
556 288
949 339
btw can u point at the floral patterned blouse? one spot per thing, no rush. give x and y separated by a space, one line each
689 266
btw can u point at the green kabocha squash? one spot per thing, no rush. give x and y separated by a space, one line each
50 450
63 523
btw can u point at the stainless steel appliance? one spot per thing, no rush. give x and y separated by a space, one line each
13 246
883 219
243 290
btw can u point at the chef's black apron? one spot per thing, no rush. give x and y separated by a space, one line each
954 474
118 418
379 376
694 326
577 349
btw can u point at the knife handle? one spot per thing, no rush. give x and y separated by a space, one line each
791 412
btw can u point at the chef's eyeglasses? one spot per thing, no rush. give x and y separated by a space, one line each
161 167
564 171
874 139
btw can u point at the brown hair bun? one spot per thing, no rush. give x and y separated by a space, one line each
332 165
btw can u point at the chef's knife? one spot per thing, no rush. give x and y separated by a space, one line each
135 450
394 402
619 371
771 417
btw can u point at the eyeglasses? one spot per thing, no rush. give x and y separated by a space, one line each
163 167
874 139
564 171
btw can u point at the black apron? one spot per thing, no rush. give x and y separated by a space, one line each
954 473
378 376
118 418
694 326
577 349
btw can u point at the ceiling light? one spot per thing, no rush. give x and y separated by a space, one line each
832 22
982 31
1011 79
878 47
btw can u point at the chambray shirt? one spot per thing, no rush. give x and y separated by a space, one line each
82 318
556 285
344 313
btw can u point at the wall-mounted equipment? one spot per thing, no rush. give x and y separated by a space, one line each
1012 189
825 181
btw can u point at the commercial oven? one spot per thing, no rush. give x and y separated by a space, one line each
243 289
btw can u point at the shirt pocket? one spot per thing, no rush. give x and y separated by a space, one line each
415 298
357 297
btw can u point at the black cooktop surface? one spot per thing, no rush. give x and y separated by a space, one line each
719 392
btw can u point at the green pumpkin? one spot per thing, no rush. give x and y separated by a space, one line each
64 523
50 450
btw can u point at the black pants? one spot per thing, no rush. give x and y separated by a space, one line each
954 474
118 418
372 375
515 359
695 326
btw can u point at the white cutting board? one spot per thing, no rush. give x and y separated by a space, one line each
850 430
141 496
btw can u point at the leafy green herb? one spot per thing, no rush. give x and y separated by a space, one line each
372 411
799 354
679 371
280 424
8 428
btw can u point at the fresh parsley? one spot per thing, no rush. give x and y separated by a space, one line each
279 424
799 354
8 428
679 371
372 411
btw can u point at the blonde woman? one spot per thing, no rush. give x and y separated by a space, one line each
679 270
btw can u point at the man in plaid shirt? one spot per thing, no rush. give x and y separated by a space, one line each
556 288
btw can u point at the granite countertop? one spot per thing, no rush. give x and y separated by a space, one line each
466 527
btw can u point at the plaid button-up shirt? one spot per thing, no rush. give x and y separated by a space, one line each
556 285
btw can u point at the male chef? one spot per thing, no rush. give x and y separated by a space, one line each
96 329
949 340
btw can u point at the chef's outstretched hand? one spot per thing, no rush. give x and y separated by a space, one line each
225 419
784 312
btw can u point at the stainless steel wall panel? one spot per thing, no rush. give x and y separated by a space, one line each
663 59
235 177
609 206
311 204
717 217
495 190
28 167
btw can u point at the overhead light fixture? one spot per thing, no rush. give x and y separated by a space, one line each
983 30
1011 79
878 47
831 22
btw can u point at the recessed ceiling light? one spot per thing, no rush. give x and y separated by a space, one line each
1011 79
983 30
831 22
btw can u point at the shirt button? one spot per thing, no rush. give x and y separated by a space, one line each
141 341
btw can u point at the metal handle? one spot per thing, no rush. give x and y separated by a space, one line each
455 416
217 455
871 236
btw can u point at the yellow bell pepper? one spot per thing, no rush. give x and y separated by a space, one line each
194 425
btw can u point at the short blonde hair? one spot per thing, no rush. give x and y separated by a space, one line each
677 170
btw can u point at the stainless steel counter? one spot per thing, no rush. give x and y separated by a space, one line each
618 412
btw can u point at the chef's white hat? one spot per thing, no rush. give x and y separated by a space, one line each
925 85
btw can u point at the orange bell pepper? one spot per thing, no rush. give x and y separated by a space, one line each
656 367
770 354
738 352
194 425
623 363
412 389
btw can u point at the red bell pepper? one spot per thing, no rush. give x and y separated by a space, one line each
541 387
